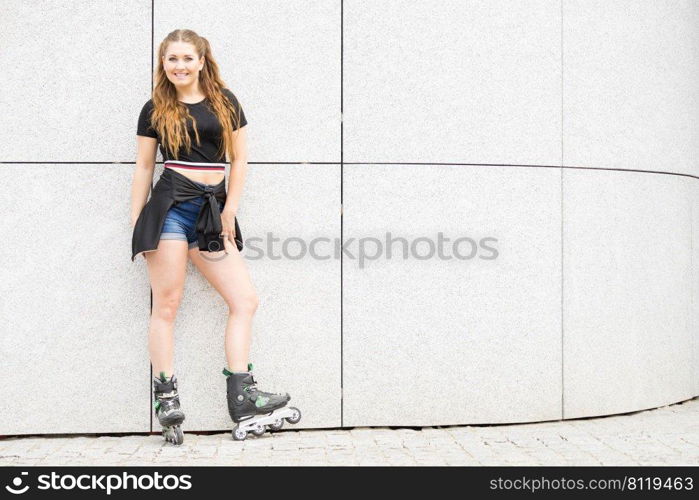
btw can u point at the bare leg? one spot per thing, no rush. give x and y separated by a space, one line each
229 276
166 269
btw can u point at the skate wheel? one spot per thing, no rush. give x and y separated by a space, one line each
173 435
278 424
239 434
178 436
295 417
259 430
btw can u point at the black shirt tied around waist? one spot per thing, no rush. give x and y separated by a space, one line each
174 187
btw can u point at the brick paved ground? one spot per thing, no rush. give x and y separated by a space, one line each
663 436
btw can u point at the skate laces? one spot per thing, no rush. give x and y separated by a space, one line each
167 401
252 387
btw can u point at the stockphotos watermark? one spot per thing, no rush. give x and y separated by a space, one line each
104 482
367 248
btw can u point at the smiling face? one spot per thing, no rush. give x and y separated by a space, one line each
182 64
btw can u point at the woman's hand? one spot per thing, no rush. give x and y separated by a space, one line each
228 225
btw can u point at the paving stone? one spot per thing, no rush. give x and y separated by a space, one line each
663 436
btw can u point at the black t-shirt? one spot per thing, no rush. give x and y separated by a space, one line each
207 124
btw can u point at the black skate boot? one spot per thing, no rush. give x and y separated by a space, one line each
167 408
252 409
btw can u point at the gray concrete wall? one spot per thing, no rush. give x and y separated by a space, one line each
566 130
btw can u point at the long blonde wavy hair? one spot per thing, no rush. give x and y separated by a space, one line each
170 116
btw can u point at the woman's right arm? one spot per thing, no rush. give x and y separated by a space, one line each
143 175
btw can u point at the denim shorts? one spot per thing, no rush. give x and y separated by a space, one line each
180 221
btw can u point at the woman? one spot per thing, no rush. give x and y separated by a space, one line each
199 125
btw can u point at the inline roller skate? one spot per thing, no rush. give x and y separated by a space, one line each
254 410
167 408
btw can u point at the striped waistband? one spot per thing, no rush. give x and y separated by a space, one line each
195 165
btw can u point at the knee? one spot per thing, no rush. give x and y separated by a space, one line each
244 305
165 308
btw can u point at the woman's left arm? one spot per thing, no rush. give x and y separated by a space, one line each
238 170
235 183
